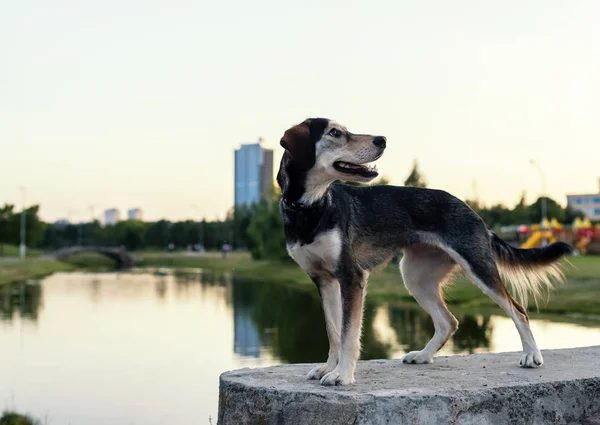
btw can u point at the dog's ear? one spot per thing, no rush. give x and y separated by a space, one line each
298 142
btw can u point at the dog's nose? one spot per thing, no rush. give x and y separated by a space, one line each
379 141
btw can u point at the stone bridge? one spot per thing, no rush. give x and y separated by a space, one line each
478 389
119 255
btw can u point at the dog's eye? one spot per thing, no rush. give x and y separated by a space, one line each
335 132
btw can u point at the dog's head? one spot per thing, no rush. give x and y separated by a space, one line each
327 151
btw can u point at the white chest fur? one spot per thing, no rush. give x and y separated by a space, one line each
322 254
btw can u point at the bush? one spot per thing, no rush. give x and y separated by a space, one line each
11 418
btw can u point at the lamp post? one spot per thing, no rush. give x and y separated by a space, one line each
543 177
23 246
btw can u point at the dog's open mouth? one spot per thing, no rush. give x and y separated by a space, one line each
364 170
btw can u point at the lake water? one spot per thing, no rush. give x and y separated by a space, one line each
147 347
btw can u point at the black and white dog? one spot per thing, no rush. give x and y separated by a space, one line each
339 233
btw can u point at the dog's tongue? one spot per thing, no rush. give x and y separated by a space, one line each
350 165
354 166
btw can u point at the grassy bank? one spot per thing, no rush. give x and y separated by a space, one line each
579 295
12 270
14 251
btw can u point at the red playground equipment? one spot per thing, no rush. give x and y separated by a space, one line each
581 234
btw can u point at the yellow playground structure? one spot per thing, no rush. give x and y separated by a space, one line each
581 231
542 234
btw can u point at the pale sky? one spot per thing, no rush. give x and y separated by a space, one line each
135 103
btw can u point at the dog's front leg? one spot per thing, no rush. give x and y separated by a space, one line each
331 301
352 291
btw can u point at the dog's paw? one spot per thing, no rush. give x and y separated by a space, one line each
336 378
531 360
318 372
417 357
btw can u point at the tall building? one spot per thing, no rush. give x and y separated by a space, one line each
253 173
111 216
134 214
588 204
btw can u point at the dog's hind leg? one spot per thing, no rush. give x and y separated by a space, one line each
331 301
423 270
482 270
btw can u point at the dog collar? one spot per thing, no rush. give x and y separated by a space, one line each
299 206
293 205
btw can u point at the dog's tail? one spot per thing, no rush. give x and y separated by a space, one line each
529 271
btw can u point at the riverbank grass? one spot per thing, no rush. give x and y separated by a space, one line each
14 270
14 251
578 295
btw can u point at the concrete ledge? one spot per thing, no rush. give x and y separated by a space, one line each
477 389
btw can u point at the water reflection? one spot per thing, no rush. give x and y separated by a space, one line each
473 333
121 339
22 299
282 322
290 325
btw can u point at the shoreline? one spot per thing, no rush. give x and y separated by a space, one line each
578 297
16 270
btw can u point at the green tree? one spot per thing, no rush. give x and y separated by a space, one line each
571 214
242 216
6 213
266 231
500 215
12 418
179 234
158 233
520 213
497 215
92 233
216 233
415 178
10 226
34 228
554 210
132 234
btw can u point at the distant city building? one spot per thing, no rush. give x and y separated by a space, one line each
134 214
246 333
253 173
587 204
111 216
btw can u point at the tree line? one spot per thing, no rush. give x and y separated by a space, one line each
257 228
